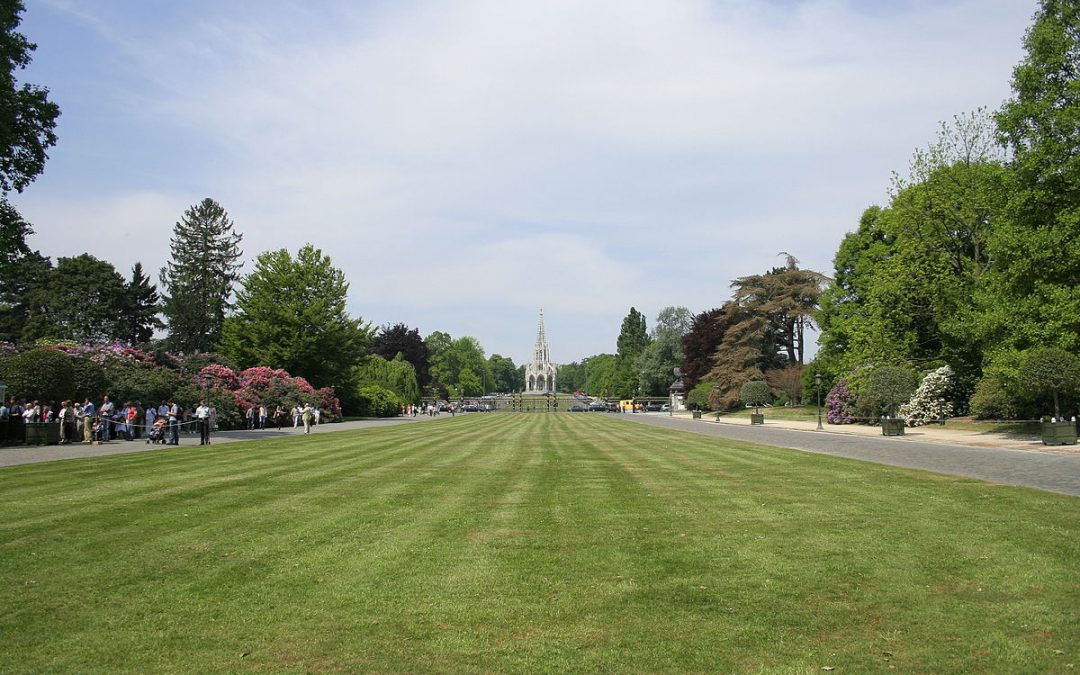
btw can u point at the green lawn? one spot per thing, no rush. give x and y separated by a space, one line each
528 543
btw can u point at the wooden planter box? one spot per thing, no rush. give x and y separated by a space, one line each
756 418
42 433
696 414
1059 433
892 427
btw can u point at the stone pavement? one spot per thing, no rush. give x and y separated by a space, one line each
48 453
998 458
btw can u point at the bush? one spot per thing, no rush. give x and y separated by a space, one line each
840 404
89 379
698 398
40 374
992 400
886 389
141 382
376 401
930 401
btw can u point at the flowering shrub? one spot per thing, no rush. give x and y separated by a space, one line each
840 404
217 375
929 402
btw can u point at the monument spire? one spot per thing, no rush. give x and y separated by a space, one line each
540 374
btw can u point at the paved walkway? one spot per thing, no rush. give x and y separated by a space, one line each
23 454
997 458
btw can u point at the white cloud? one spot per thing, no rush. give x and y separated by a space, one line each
657 150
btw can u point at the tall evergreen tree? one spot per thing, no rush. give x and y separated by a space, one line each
27 116
632 341
198 280
143 305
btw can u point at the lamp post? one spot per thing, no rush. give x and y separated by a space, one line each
817 385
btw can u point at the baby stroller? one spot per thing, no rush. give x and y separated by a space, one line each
157 433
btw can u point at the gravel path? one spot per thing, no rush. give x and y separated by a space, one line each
1046 470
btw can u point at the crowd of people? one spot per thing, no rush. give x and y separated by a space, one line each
258 417
99 422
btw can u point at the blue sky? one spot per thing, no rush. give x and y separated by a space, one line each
466 163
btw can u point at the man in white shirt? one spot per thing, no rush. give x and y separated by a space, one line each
202 414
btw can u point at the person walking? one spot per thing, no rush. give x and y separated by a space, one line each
262 415
202 415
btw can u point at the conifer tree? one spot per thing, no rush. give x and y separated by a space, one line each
198 280
143 307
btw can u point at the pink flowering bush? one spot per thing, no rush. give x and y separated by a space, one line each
217 375
840 404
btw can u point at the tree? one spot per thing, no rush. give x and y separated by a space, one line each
1053 371
657 361
886 389
143 304
27 116
1031 292
449 357
81 299
291 315
503 374
700 342
198 280
632 340
396 375
21 271
400 339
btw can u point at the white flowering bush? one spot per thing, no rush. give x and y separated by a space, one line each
929 402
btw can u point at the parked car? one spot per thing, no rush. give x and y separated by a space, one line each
653 407
577 407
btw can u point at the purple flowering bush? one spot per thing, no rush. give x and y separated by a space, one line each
840 404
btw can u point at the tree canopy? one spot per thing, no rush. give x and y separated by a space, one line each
27 116
198 279
291 314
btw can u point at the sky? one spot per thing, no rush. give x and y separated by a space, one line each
466 163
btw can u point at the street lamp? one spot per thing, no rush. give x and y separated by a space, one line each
817 385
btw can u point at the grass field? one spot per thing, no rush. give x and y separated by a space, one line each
528 543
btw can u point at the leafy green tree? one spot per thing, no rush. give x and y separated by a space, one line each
604 377
21 271
27 116
1031 292
469 383
571 377
449 357
656 363
503 374
142 307
886 389
198 280
81 299
291 315
1050 371
755 393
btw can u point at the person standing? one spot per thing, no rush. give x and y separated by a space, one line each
262 415
202 415
151 415
88 413
296 412
105 412
307 415
174 423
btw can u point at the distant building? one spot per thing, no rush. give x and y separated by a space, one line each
540 374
